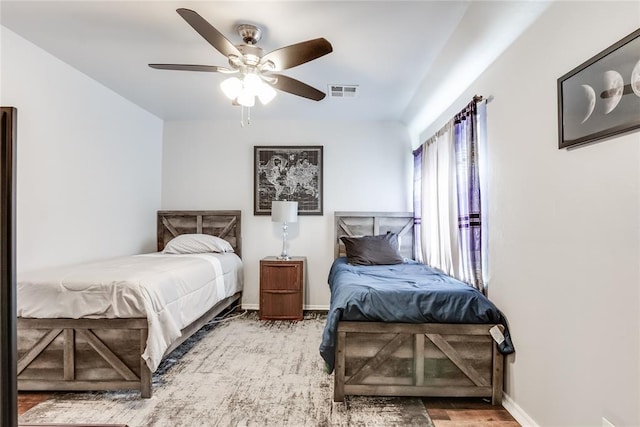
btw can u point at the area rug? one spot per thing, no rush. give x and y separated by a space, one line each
241 372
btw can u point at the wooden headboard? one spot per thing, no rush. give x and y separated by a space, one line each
371 224
223 224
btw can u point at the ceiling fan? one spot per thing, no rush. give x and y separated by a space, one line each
256 71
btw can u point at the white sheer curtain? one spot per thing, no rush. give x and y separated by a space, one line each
439 237
483 167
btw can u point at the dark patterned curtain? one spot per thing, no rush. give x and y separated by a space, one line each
468 190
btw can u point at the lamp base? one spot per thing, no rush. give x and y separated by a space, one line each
284 255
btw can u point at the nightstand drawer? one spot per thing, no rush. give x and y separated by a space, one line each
282 275
278 304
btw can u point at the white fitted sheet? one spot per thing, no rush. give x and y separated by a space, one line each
171 291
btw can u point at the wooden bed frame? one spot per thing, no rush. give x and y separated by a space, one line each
402 359
105 354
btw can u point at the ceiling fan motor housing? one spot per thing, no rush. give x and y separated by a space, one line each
252 54
250 33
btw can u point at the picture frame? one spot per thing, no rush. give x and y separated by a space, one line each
292 173
600 98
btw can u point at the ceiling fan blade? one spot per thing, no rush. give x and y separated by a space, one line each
296 87
209 33
296 54
185 67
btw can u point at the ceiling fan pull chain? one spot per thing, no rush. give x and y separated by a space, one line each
242 121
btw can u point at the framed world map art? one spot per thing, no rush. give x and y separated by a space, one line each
292 173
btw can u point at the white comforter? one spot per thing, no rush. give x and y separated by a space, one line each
171 291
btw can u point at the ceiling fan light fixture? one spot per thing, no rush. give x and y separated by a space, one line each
231 87
266 93
252 83
246 99
246 90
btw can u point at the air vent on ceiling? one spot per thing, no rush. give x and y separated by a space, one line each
343 91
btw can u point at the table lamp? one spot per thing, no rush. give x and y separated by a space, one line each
285 212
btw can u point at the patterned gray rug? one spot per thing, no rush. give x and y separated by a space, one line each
241 372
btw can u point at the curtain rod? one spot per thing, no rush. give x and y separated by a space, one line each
480 98
475 99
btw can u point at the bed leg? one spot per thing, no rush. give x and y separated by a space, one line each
418 359
497 382
338 375
145 373
145 380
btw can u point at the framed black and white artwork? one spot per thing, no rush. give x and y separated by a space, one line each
601 97
292 173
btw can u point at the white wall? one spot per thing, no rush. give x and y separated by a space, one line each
88 168
564 229
209 165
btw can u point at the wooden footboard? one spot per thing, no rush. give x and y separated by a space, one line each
400 359
83 354
91 354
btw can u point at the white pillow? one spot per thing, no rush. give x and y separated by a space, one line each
196 244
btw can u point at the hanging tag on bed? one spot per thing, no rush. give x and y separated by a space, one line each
496 333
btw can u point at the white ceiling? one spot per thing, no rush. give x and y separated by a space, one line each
397 52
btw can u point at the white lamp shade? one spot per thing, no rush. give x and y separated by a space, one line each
266 94
284 211
246 98
231 87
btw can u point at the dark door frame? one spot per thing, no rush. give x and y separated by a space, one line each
8 352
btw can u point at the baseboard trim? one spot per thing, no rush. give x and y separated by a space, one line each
517 412
316 307
306 307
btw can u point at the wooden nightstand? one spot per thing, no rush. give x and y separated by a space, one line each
281 288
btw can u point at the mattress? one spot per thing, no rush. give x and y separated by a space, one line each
405 293
171 291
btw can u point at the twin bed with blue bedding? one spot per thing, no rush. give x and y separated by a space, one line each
405 329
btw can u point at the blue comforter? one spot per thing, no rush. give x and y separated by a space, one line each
405 293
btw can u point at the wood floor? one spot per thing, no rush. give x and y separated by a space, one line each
457 412
27 401
467 412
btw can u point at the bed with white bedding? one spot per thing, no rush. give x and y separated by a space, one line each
106 325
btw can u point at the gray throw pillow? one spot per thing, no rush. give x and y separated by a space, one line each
373 250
